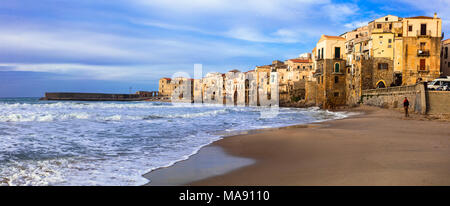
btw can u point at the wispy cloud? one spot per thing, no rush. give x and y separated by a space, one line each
138 40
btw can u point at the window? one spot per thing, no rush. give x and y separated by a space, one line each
378 26
389 46
337 52
357 36
449 64
336 79
336 94
389 41
383 66
390 26
336 68
381 37
410 28
386 19
298 67
446 53
422 45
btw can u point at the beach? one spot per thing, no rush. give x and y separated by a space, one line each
376 147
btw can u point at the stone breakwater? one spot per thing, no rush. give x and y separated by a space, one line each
95 97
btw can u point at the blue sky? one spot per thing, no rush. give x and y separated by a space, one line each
112 45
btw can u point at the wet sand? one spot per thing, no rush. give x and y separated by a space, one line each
379 147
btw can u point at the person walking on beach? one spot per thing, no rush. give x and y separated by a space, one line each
406 106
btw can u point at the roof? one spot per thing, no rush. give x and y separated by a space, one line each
420 17
333 37
300 60
265 66
447 41
234 70
326 37
166 78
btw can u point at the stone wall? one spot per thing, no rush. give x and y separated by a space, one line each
382 75
421 100
92 96
310 92
438 102
393 97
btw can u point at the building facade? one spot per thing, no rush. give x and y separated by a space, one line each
445 58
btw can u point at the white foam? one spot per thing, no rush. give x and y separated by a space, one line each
111 143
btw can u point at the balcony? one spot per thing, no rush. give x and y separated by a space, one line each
423 53
318 72
423 69
426 33
338 57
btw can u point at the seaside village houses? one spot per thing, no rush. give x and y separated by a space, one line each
387 52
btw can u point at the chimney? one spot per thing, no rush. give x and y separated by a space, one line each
435 15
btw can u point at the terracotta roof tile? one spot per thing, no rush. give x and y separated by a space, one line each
419 17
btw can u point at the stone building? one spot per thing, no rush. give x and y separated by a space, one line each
213 88
445 58
330 71
165 87
422 37
300 68
182 90
235 88
262 82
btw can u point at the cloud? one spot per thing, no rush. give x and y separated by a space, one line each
268 21
140 39
355 24
429 7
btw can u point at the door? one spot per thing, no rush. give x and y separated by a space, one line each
423 29
422 64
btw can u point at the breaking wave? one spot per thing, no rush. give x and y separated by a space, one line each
115 143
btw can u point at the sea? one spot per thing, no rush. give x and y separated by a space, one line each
115 143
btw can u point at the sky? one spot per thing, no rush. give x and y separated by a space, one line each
113 46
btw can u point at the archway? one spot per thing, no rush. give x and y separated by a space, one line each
381 84
235 98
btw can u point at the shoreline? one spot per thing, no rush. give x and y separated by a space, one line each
379 147
218 151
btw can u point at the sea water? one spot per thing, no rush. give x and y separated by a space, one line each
115 143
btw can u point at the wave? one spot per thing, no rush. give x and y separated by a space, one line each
114 143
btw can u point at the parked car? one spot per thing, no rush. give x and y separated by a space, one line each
440 84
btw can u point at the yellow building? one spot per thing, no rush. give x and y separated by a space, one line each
165 87
300 69
330 71
422 37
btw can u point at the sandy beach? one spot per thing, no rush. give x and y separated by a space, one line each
377 147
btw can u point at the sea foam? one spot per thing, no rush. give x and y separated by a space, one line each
115 143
